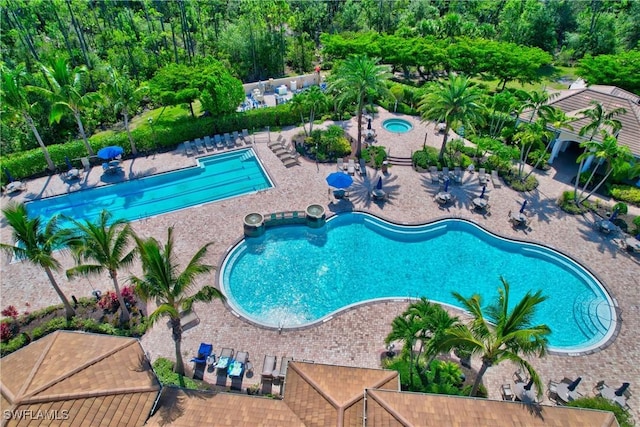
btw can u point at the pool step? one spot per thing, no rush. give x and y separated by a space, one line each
590 314
400 161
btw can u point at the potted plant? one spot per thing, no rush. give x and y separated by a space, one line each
253 389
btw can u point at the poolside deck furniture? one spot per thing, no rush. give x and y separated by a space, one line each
236 137
340 164
457 175
378 194
292 161
15 187
228 141
208 143
506 392
237 365
188 149
443 197
245 136
606 226
552 391
495 179
480 203
482 176
524 394
269 367
363 167
204 352
433 171
225 358
612 395
518 219
566 393
351 167
199 146
218 141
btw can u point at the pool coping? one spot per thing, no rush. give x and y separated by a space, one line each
599 346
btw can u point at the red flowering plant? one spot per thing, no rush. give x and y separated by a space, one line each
109 301
10 311
7 330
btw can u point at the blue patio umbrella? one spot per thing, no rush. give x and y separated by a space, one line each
574 384
8 174
484 188
68 162
614 215
110 152
446 184
339 180
524 205
379 184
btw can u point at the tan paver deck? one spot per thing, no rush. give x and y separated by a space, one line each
356 337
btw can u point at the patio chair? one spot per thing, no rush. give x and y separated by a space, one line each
199 146
237 366
351 167
363 167
507 393
228 141
235 137
208 143
495 179
246 137
269 367
204 352
284 364
482 176
552 391
433 171
292 161
225 358
457 175
340 164
219 142
188 149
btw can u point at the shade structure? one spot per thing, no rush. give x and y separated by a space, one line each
339 180
379 184
524 205
110 152
574 384
484 188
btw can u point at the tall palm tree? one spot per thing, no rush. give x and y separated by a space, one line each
456 102
105 242
125 97
608 152
315 99
67 93
537 102
14 97
600 119
502 334
161 280
35 243
357 80
404 328
556 119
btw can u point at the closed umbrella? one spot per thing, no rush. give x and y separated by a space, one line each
339 180
574 384
369 123
8 174
379 184
446 184
614 215
529 384
484 188
524 205
621 390
110 152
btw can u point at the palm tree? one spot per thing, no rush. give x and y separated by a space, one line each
359 79
455 102
600 119
104 242
67 94
509 334
404 328
315 99
125 97
35 243
162 281
14 96
609 152
554 118
536 101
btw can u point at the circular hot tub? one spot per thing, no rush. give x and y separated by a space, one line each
253 224
397 125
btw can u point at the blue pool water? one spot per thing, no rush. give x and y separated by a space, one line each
295 275
397 125
216 177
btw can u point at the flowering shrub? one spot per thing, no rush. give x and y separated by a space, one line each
10 311
7 330
109 301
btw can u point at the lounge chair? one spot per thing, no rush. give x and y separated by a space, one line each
225 358
199 146
495 179
433 171
237 366
236 137
228 141
482 176
340 164
457 175
269 367
188 149
552 391
219 142
363 167
284 364
208 143
445 172
290 162
351 167
246 137
507 393
204 352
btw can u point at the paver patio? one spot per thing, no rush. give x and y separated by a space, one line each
356 337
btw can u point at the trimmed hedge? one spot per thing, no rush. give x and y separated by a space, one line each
165 133
626 193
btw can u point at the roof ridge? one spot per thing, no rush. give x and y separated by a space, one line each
21 393
391 411
72 372
84 395
315 385
391 375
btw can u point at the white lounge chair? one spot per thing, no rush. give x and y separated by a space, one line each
351 167
433 171
495 179
340 164
208 143
482 176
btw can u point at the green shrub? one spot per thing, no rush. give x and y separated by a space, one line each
624 418
540 155
51 326
512 180
426 157
374 155
636 223
626 193
164 370
14 344
567 204
482 391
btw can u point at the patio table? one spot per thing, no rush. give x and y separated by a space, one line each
443 197
606 226
523 395
480 203
610 394
564 394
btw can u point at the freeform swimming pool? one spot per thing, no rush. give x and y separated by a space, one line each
295 276
397 125
215 177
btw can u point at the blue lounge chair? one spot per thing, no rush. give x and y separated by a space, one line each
204 352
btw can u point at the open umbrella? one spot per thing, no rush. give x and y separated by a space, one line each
484 188
574 384
339 180
110 152
379 184
524 205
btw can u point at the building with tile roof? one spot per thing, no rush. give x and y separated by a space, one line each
78 379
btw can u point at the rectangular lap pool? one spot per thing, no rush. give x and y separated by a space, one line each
216 177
